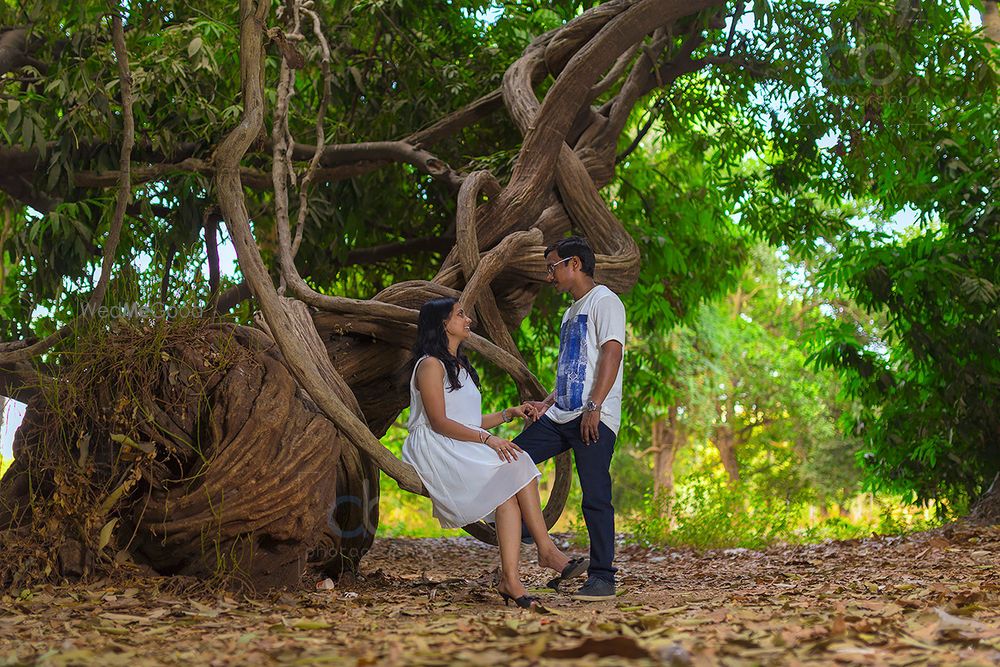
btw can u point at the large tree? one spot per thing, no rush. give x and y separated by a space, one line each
924 366
364 157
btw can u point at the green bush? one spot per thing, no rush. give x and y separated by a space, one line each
708 513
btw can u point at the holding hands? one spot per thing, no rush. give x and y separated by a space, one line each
526 410
536 408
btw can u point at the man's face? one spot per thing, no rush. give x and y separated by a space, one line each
560 271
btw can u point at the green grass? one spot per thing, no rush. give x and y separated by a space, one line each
719 515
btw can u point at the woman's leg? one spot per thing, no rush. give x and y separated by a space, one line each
530 505
508 518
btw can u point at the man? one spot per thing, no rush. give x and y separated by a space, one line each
584 411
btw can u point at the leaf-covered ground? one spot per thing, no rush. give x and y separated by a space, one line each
925 598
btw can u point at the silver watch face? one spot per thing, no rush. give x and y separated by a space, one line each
591 406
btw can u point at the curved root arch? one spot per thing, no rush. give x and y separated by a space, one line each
346 358
497 263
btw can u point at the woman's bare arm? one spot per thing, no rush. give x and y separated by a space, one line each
430 383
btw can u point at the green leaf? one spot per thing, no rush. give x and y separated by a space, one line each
310 624
27 132
145 447
106 531
356 75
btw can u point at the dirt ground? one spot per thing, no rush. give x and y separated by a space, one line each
929 598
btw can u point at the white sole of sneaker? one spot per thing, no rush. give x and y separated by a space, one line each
592 598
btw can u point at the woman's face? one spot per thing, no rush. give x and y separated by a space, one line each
458 326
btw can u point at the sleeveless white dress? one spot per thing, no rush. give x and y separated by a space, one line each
466 480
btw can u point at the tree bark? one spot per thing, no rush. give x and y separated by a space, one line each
725 437
987 508
238 479
991 19
725 443
668 438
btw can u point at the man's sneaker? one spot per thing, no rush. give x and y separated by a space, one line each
595 589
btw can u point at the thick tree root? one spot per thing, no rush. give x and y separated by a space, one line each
200 446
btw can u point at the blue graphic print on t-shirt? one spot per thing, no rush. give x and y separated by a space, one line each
572 363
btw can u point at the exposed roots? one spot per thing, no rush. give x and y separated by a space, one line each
181 446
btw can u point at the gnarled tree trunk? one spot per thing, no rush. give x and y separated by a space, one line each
288 456
223 468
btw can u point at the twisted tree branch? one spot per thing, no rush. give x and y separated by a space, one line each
121 202
310 366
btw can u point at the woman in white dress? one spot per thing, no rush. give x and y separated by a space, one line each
470 473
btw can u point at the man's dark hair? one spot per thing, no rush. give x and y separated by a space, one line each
575 246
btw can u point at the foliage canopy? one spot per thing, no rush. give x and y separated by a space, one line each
806 125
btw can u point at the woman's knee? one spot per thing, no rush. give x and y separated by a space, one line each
508 505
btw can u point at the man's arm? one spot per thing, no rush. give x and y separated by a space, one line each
608 362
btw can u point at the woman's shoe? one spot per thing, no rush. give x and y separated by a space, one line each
524 602
574 568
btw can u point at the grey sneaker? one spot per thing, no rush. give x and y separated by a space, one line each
595 589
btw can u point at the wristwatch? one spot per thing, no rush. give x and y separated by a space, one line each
590 406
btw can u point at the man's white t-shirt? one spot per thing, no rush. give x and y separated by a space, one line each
597 317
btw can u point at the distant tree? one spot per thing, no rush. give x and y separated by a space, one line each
738 380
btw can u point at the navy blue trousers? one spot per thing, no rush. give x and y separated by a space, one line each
543 440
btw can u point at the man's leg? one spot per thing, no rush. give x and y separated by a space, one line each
593 465
542 440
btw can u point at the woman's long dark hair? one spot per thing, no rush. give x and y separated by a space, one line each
433 340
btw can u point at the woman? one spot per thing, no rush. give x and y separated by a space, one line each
470 473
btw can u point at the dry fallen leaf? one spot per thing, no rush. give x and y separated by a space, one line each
625 647
684 608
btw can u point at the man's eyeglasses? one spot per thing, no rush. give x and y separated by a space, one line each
551 268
